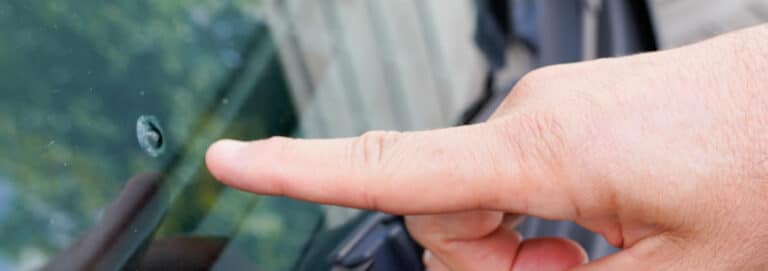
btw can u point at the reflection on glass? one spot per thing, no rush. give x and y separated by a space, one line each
77 76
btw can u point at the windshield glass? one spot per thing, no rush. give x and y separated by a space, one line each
81 78
106 109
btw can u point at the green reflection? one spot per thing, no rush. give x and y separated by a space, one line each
76 76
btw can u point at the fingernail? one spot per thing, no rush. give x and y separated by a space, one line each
227 147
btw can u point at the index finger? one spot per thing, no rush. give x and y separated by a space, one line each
470 167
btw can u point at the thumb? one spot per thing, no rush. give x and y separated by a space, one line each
510 164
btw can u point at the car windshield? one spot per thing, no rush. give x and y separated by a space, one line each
106 108
97 92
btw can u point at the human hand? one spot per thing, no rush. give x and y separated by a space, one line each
664 154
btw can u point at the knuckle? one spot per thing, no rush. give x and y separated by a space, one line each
368 157
538 136
539 145
372 147
537 79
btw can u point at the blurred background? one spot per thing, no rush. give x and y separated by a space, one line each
87 183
